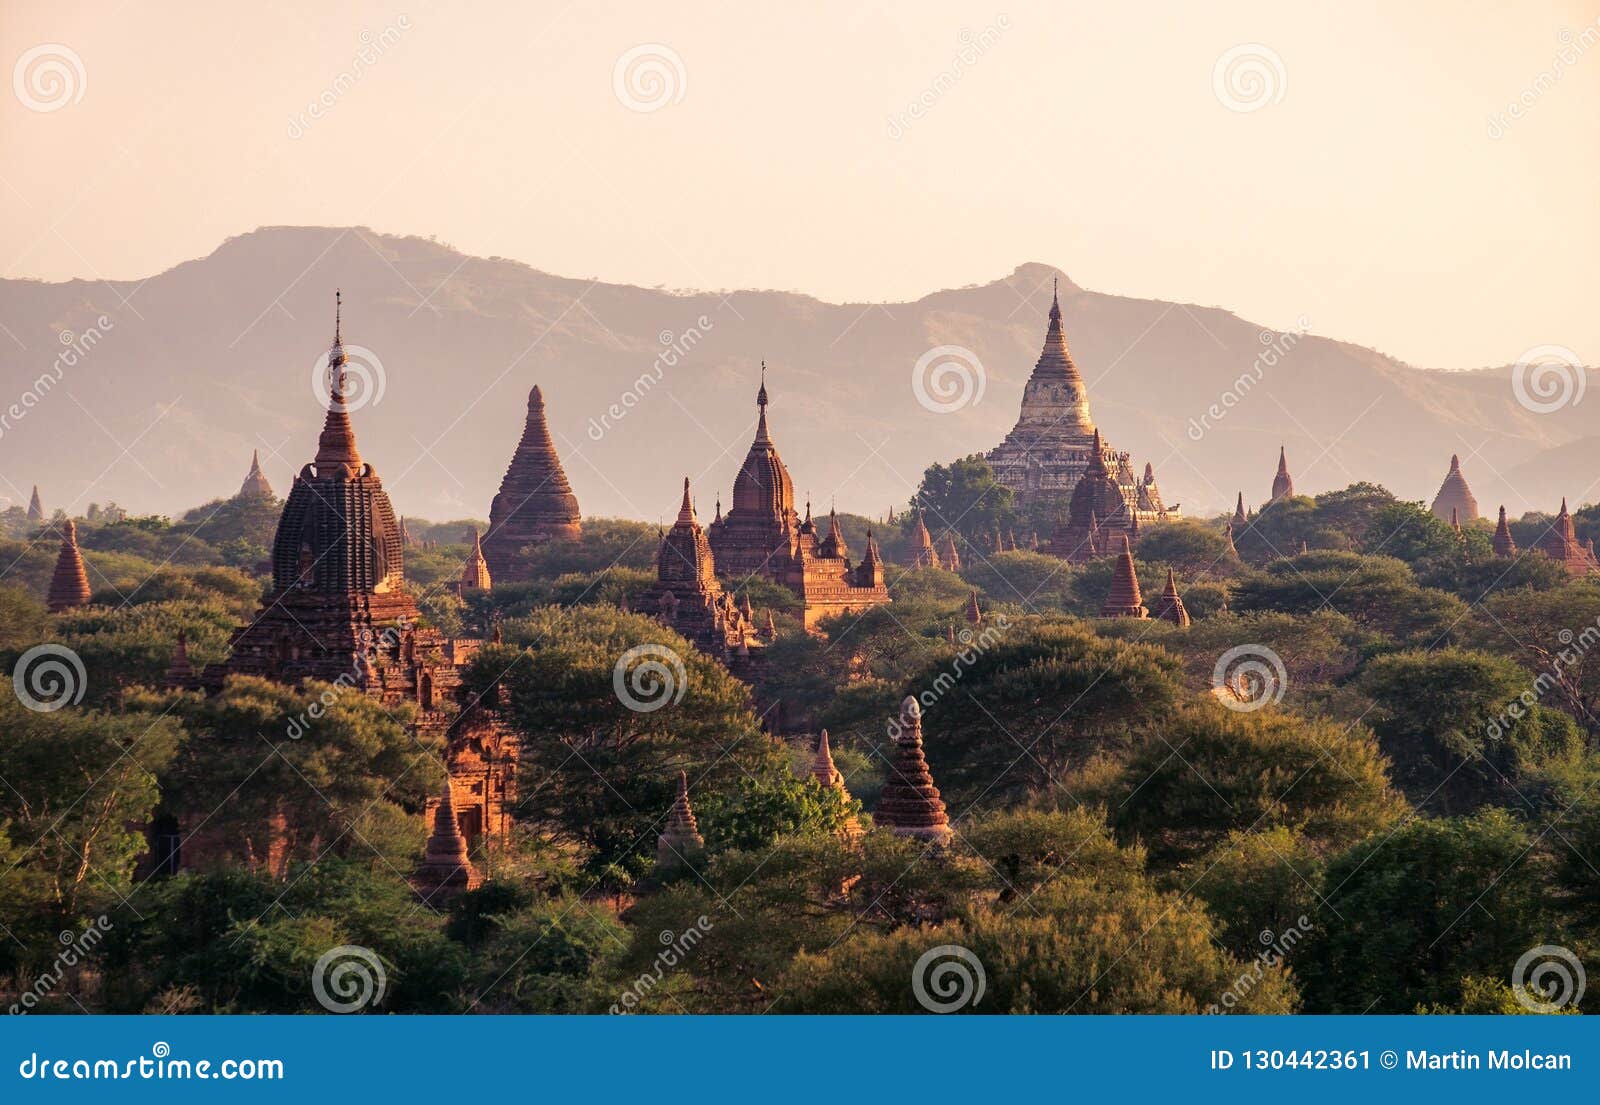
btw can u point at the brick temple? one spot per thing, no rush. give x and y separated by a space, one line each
535 503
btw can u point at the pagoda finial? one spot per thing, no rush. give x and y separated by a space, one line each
761 396
336 448
686 508
338 310
1055 299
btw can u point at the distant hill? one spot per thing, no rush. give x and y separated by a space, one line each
214 358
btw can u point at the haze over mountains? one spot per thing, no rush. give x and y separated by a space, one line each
216 357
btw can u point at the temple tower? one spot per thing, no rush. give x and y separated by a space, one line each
1502 542
680 842
1560 543
761 522
475 572
69 584
255 484
1124 600
35 507
1282 483
1455 496
446 869
922 551
1169 607
687 595
535 503
909 804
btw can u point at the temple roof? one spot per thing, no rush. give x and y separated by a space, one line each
475 572
255 484
1454 496
681 838
1503 544
336 447
1282 483
685 554
1169 607
823 769
69 584
535 502
1124 600
35 507
762 489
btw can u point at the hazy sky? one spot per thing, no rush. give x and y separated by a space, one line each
1379 186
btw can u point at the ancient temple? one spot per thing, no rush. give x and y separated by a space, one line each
909 804
1282 483
1560 543
446 870
535 503
1169 607
69 584
761 535
475 572
1240 519
255 484
680 842
1096 513
948 556
1454 496
337 609
1503 544
922 552
35 507
1054 441
688 597
1123 600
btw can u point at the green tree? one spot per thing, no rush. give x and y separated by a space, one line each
963 497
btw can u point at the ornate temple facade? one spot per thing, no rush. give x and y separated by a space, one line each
763 536
338 611
1055 442
535 503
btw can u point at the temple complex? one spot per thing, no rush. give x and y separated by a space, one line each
761 535
1560 543
1455 497
535 503
909 804
1502 542
1282 483
255 484
688 597
1124 600
69 585
1054 442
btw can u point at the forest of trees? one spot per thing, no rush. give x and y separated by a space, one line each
1416 797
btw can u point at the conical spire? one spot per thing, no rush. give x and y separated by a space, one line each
681 839
255 484
762 436
823 769
833 544
35 507
446 866
1169 607
922 551
949 555
1560 543
535 503
973 615
1455 496
909 804
1239 518
1282 484
1502 543
475 572
1124 600
336 448
69 585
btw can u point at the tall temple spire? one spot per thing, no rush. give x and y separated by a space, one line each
909 804
35 507
1503 544
1560 543
922 550
535 503
1455 496
446 868
69 585
823 769
1169 607
475 572
1282 484
1124 600
680 841
255 484
971 611
1240 520
762 436
336 448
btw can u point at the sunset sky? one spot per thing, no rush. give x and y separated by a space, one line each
1382 191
